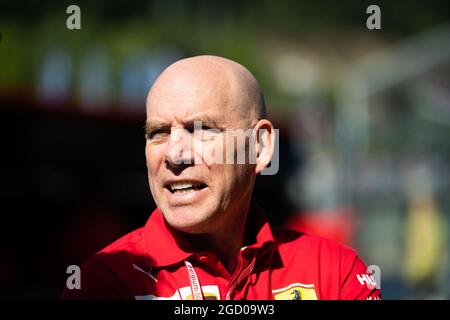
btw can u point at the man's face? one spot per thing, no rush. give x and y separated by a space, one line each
201 196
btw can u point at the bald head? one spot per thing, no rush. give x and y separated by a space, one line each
211 80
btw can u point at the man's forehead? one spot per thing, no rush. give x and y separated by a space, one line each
185 105
188 95
214 120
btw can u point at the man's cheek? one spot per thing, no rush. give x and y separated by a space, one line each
152 189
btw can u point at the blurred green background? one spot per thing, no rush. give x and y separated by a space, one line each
364 118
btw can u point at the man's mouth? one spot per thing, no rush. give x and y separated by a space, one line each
184 187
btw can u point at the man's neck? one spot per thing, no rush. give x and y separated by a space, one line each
225 244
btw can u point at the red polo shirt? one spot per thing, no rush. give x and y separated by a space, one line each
155 262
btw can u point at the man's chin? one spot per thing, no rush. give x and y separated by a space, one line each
186 221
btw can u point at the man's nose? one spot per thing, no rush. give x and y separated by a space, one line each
178 151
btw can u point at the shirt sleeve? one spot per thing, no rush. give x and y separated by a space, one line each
357 283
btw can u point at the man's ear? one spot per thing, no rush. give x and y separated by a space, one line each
265 144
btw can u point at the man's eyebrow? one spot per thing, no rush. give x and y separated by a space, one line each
205 120
155 125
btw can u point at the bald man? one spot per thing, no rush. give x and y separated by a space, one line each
207 239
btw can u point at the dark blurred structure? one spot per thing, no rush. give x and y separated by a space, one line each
363 115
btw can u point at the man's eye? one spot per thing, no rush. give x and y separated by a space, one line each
157 134
197 128
203 127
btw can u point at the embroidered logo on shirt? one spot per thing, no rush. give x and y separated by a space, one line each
367 279
295 291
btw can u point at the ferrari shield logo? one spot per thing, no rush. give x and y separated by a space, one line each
296 291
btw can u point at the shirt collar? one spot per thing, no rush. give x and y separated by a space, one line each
167 246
